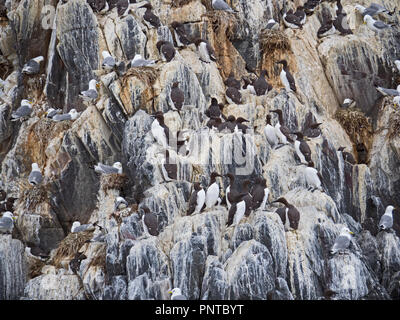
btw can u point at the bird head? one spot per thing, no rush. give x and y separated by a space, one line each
241 120
147 6
347 230
281 200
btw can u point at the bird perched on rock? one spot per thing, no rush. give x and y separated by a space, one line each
282 132
389 92
206 52
259 194
261 86
214 111
309 6
91 94
7 205
166 50
313 177
181 36
327 28
105 169
272 25
177 96
248 199
386 221
347 156
212 193
373 10
237 209
312 130
231 190
286 77
292 21
23 111
232 82
270 133
78 227
51 112
138 61
120 203
240 126
159 130
290 217
149 17
71 115
229 125
7 222
248 86
348 103
303 150
108 61
233 95
32 66
197 199
343 241
341 24
299 13
375 25
35 177
177 294
222 6
150 222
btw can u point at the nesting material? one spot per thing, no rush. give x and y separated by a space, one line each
33 196
356 124
112 181
179 3
147 75
394 124
271 40
69 246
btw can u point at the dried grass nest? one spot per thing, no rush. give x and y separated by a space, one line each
271 40
355 123
147 75
112 181
33 196
394 124
179 3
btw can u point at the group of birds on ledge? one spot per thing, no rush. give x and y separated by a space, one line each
240 200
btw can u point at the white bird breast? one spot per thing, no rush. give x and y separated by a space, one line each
285 81
270 134
201 197
240 210
212 195
312 177
281 136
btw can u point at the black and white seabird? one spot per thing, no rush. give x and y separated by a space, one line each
71 115
259 194
91 94
78 227
233 95
327 28
166 50
51 112
340 23
7 205
138 61
101 168
150 222
228 125
232 82
281 130
237 209
248 199
291 216
23 111
212 193
177 294
389 92
32 66
343 240
292 21
241 126
149 17
120 203
35 177
248 86
261 86
386 221
206 52
312 130
347 156
272 25
108 61
221 5
313 178
181 37
286 77
303 150
310 5
375 25
177 96
7 222
197 199
348 103
170 170
231 190
159 130
270 133
301 14
215 110
214 123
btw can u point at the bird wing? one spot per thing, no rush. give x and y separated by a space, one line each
109 61
62 117
305 150
234 94
380 25
221 5
22 111
35 177
286 132
151 222
152 19
386 221
341 243
91 94
6 224
292 83
389 92
192 203
106 169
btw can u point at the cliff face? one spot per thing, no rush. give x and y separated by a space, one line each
256 259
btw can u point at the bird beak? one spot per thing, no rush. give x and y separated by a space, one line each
14 218
170 292
351 232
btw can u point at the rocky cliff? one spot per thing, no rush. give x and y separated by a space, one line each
256 259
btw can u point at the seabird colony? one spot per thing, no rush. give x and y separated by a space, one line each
242 197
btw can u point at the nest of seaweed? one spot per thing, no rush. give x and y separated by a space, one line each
112 181
355 123
271 40
69 246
